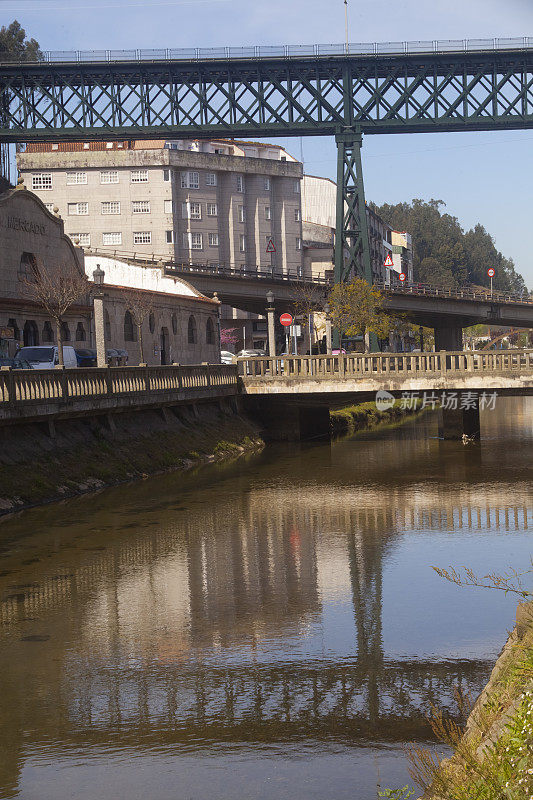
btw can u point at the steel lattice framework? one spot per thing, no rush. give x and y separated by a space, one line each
345 96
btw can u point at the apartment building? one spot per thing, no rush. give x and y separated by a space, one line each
216 201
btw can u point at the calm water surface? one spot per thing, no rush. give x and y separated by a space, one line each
270 629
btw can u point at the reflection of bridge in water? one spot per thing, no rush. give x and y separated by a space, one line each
169 636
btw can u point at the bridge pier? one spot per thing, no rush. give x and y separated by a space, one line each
454 423
449 337
288 422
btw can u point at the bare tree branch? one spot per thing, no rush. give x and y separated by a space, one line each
140 304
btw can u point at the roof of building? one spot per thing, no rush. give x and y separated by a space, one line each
132 144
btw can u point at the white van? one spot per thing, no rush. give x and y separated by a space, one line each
46 356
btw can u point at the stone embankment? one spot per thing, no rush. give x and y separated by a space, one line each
366 416
87 454
494 758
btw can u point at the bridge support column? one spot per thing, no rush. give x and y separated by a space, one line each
461 421
288 422
448 338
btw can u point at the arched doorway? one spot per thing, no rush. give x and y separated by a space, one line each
164 348
31 333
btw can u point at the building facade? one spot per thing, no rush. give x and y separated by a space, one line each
182 324
221 202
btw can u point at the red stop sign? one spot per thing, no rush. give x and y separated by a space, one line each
286 320
402 276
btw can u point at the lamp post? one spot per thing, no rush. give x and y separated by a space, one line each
271 332
328 329
99 323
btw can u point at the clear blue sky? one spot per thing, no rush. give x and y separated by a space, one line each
485 177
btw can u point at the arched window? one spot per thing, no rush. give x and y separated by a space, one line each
65 332
174 324
151 323
210 331
129 328
31 333
80 332
28 270
12 323
107 325
48 334
191 331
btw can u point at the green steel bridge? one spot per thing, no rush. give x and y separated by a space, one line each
344 91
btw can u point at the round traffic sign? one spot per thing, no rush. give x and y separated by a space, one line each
286 320
402 276
491 272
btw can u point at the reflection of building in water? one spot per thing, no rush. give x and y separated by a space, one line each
134 621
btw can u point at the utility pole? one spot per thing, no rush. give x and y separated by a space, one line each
346 25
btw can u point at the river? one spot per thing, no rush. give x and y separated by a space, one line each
269 629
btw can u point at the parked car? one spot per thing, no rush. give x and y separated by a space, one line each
226 357
47 356
86 358
15 363
251 353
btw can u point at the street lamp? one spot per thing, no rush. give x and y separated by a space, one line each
99 323
270 317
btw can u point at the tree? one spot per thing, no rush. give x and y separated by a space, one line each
14 46
229 336
308 300
56 288
140 305
356 308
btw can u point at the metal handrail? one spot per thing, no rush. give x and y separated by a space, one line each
288 51
466 293
210 268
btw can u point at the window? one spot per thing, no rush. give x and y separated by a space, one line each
42 180
241 213
74 178
48 334
242 243
298 243
142 237
111 207
109 176
166 174
83 238
169 237
140 207
196 210
80 332
209 332
109 145
297 215
49 207
296 187
107 325
29 270
78 209
191 331
168 206
266 184
210 179
174 321
190 180
151 322
86 146
268 212
196 241
212 210
65 332
114 237
240 183
129 328
139 176
55 146
213 240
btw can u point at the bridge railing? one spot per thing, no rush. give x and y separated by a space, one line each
465 293
211 267
364 365
93 383
288 51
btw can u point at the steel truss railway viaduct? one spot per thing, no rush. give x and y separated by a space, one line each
326 90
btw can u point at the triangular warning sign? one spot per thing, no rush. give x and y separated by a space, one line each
388 261
271 247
